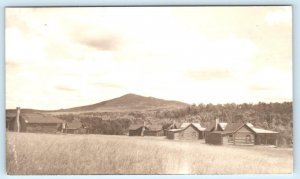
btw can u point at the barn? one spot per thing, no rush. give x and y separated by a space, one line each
154 130
242 134
75 127
137 130
187 131
35 122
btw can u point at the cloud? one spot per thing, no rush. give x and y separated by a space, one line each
101 42
180 53
65 88
209 74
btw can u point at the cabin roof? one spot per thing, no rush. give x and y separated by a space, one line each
260 130
135 126
197 125
263 131
174 130
223 125
186 125
40 118
233 127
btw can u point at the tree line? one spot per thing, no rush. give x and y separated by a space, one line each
271 116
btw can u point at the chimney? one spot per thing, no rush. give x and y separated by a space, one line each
216 123
18 119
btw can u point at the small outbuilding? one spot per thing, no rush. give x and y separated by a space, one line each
154 130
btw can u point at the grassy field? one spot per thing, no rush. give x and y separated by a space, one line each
98 154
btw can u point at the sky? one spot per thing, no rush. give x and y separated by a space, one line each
66 57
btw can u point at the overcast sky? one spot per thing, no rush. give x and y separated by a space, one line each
66 57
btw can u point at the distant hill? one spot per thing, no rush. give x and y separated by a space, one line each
130 102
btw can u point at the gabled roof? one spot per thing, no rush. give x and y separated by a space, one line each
223 125
233 127
154 127
40 118
174 130
211 127
263 131
260 130
198 126
135 126
186 125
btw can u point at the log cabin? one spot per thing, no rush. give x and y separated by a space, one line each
154 130
36 123
187 131
241 134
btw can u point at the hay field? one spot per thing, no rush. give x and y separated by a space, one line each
29 153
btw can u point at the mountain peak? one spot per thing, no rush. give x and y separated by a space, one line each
130 95
131 101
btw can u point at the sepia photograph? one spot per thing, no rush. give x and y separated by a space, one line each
149 90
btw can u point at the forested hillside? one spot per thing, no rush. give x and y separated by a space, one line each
272 116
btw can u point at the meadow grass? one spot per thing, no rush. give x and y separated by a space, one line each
29 153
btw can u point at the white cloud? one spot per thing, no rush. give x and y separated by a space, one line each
58 58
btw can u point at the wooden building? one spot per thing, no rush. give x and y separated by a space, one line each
241 134
75 127
137 130
154 130
187 131
216 125
234 133
264 137
35 122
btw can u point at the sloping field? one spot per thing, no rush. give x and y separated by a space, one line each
99 154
